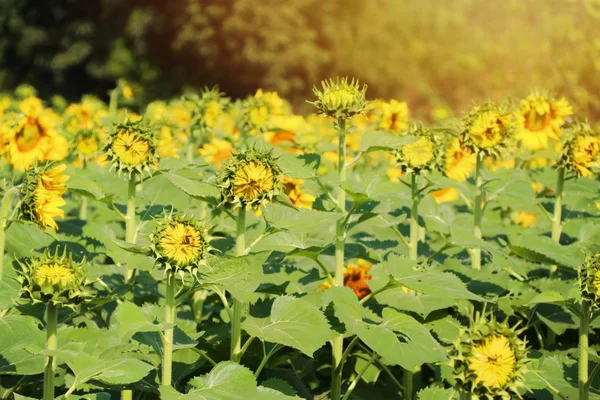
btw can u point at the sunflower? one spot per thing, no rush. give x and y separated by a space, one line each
394 116
168 145
251 178
489 359
540 119
293 189
132 146
492 361
459 161
355 277
42 193
31 135
85 115
525 219
53 278
216 151
420 156
340 98
487 129
581 150
589 279
445 195
180 243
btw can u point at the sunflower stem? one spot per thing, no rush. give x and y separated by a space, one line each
113 103
338 341
83 209
167 365
130 225
51 342
557 218
584 326
236 320
4 210
477 212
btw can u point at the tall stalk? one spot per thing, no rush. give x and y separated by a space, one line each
167 364
51 344
113 103
477 212
556 220
584 327
130 223
83 209
236 319
340 239
4 209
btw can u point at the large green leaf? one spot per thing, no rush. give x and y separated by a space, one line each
130 319
195 188
302 220
18 332
23 237
303 166
384 140
397 337
289 321
240 276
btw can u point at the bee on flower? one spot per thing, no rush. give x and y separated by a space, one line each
31 135
42 195
180 244
489 359
251 178
132 147
540 119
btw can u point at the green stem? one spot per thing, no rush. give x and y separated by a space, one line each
477 212
338 341
414 219
130 223
355 381
83 210
51 342
557 218
167 365
584 327
265 359
198 299
4 209
113 103
236 321
127 395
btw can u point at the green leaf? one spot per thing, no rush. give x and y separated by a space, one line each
18 332
130 319
113 372
301 167
195 188
545 250
548 297
227 380
432 393
288 323
384 140
399 337
240 276
23 237
302 220
133 248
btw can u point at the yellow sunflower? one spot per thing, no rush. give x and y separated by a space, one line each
445 195
540 120
525 219
459 161
493 361
216 151
53 274
168 145
293 189
42 193
355 277
487 130
253 180
180 242
585 154
394 116
130 148
31 135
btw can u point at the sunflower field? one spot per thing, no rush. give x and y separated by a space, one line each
206 247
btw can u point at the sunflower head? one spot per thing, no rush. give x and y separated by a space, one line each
132 147
459 161
180 244
294 191
340 98
489 359
41 193
540 119
487 129
254 115
581 150
251 179
421 156
589 279
207 107
53 278
87 144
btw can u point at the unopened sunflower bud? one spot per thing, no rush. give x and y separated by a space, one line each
421 156
487 129
589 279
340 98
